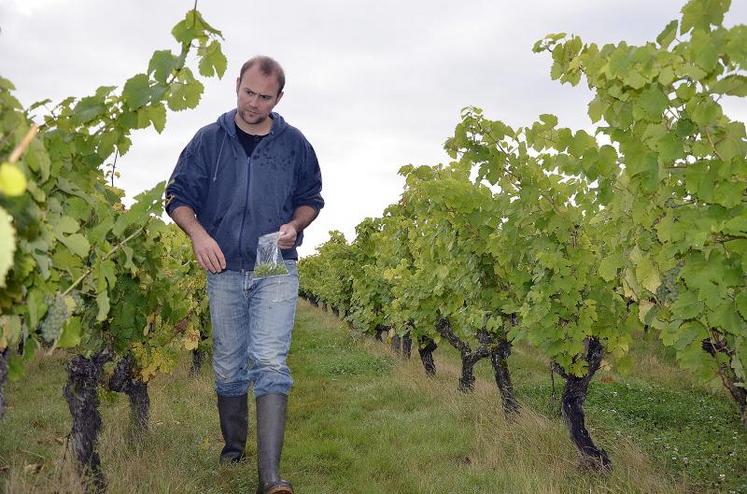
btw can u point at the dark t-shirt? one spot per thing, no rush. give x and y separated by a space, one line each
248 141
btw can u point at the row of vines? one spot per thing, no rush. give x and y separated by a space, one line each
573 241
114 286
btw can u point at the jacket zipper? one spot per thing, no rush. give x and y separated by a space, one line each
246 204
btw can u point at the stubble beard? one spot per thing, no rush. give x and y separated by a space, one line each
248 119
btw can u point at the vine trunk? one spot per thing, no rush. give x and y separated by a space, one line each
574 396
82 398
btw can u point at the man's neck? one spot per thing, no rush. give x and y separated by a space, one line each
261 128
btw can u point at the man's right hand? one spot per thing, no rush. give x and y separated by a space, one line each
206 249
208 253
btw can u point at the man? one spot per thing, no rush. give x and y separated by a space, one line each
246 175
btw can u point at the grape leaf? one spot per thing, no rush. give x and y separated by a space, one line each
87 109
726 318
668 34
162 64
137 91
213 61
741 301
78 244
102 300
733 85
647 275
653 101
71 333
687 305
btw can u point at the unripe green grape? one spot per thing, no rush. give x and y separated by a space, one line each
668 290
12 180
78 299
51 326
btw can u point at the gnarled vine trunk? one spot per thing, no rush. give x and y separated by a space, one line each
82 399
467 379
469 357
407 346
426 348
124 380
196 364
396 343
729 379
733 385
402 345
379 332
198 354
499 359
574 396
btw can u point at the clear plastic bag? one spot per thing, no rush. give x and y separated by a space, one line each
269 260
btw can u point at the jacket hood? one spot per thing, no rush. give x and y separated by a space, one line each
227 123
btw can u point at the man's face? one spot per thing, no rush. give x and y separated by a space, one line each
257 94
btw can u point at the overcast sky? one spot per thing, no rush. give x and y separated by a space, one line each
373 85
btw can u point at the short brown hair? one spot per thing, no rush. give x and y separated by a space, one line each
268 66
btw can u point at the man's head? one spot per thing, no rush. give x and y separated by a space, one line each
259 88
267 66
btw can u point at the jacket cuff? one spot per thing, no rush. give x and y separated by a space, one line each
175 203
316 204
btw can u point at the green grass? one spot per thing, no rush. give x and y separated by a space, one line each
361 420
687 428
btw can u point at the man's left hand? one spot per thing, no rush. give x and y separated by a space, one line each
287 238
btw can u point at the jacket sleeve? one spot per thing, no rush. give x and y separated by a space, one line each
189 182
308 181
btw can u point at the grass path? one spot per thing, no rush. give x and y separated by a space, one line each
360 421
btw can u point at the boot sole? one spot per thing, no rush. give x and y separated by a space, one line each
281 489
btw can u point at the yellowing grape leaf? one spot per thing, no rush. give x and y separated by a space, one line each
647 275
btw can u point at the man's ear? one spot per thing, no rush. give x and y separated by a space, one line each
280 95
238 83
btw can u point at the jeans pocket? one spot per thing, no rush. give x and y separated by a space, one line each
283 288
291 264
213 281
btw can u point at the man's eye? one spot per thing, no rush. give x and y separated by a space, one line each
265 97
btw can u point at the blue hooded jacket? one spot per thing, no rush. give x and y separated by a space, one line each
238 198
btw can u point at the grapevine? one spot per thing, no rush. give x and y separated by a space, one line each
88 273
582 239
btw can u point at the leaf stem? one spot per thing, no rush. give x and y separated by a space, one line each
25 142
710 140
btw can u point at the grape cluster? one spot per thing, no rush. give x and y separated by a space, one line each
57 314
77 298
668 290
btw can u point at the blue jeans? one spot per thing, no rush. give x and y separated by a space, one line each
252 324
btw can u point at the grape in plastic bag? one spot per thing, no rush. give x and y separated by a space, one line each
269 261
